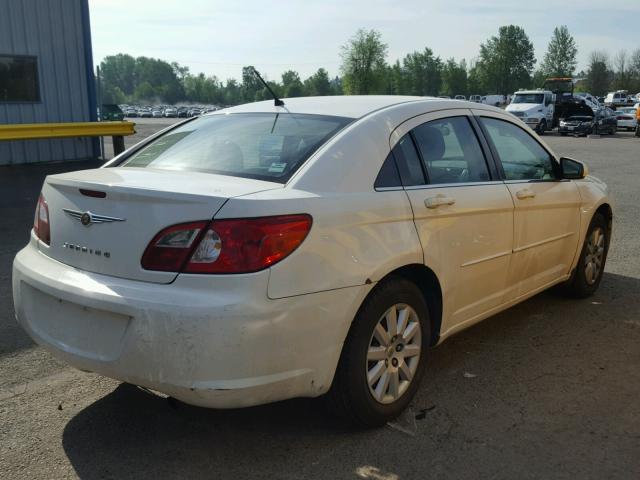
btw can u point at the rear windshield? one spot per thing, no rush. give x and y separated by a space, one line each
581 119
265 146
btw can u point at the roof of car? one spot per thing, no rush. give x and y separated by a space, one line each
351 106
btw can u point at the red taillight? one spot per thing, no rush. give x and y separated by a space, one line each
41 225
228 246
172 247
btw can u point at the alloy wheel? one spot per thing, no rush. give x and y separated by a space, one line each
594 257
394 353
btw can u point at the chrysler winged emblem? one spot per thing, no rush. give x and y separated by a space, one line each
88 218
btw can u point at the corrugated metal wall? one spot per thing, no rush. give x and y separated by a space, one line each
55 31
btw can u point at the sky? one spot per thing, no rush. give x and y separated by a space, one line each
219 37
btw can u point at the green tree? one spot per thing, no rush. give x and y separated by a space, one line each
232 93
113 94
202 89
538 78
250 84
161 76
507 60
560 59
119 71
475 85
144 92
622 77
291 84
363 63
634 67
395 79
454 78
318 84
422 73
598 73
337 87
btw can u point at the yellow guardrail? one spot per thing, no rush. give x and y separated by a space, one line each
33 131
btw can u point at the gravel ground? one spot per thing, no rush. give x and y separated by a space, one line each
547 389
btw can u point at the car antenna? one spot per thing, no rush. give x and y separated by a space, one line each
276 101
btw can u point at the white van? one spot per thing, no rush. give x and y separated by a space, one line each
619 98
495 100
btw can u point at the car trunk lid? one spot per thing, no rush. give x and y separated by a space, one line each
123 208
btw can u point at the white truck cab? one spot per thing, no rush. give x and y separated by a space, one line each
534 107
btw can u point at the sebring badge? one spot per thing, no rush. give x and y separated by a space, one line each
87 218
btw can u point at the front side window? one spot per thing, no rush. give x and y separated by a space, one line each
451 152
265 146
19 79
521 156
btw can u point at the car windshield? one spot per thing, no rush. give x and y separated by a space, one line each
536 98
265 146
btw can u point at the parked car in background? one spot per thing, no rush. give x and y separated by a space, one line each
156 113
446 97
619 98
111 112
239 260
475 98
494 100
603 121
170 112
194 112
590 100
626 117
131 113
183 112
144 113
460 97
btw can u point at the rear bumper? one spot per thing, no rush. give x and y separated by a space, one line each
627 123
214 341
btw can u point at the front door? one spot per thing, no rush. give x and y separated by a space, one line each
546 216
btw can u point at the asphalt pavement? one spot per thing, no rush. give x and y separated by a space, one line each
548 389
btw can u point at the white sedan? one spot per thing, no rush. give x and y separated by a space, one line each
266 252
627 118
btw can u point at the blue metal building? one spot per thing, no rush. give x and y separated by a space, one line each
46 76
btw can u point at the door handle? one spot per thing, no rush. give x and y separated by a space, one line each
439 200
525 193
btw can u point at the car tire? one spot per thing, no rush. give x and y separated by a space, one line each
397 364
542 127
587 275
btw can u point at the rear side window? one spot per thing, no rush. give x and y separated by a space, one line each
265 146
522 158
451 151
408 162
388 176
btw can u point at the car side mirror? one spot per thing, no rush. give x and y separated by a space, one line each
573 169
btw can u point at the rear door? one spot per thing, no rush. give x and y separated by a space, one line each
463 214
546 217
